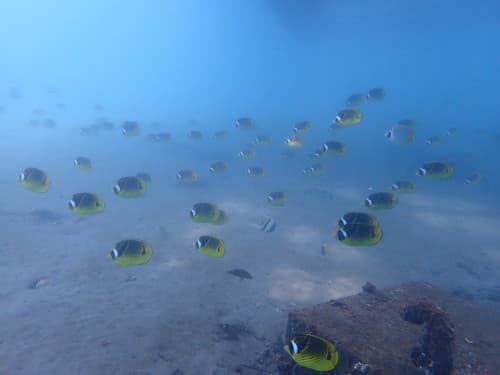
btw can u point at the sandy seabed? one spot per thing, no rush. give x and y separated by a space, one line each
169 316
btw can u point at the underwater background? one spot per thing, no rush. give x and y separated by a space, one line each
74 75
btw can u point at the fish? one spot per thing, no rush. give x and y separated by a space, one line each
244 123
210 246
85 203
83 163
403 186
315 155
312 352
435 170
333 148
187 175
381 200
247 153
255 171
360 234
88 131
302 127
221 134
314 170
195 135
241 273
218 167
49 123
38 283
472 179
268 225
34 179
262 140
277 198
131 252
451 131
402 135
204 212
357 218
130 187
294 141
434 140
162 137
355 100
376 94
131 129
348 116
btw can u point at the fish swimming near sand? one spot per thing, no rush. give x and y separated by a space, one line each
268 225
241 273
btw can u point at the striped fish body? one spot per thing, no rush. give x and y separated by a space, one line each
268 225
312 352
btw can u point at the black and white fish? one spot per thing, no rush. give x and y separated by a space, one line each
268 225
241 273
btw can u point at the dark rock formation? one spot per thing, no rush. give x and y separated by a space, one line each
369 287
435 349
372 337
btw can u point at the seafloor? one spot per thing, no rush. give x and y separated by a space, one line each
183 313
374 334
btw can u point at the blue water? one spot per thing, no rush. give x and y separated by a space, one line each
199 65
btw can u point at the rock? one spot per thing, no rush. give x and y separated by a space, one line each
370 334
435 349
369 287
